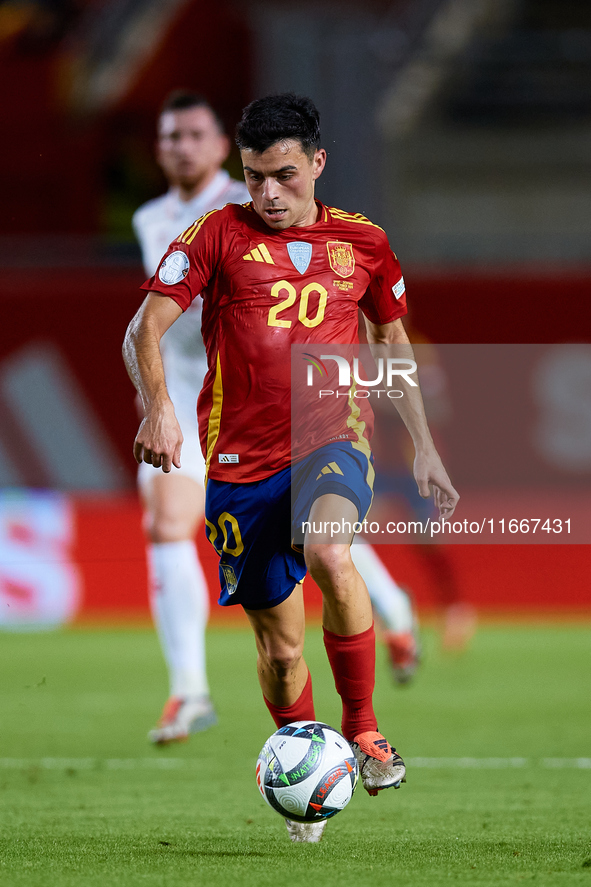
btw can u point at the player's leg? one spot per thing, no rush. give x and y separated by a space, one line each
331 488
349 635
347 616
282 671
179 598
459 617
388 599
248 525
285 679
349 639
394 610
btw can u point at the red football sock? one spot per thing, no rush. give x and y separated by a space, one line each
300 710
353 662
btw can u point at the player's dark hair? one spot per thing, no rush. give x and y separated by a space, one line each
182 99
276 118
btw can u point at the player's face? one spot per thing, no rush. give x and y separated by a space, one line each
281 183
190 147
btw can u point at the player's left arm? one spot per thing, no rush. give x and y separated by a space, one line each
428 468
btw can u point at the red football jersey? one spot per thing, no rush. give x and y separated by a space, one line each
264 290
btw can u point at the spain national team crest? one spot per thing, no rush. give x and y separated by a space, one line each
341 258
230 578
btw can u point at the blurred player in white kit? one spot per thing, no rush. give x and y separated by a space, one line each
191 148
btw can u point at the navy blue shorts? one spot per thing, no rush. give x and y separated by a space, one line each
252 526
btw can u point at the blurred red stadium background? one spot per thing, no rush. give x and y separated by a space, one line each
74 165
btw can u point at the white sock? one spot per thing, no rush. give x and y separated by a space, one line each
180 607
390 602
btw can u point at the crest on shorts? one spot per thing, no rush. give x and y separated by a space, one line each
230 578
174 268
300 254
341 258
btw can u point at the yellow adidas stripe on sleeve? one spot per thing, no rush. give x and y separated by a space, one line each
352 217
189 235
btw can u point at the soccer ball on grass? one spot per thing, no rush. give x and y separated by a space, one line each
307 771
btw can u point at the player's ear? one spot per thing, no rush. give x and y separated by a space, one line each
318 162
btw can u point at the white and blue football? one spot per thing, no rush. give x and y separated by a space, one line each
307 771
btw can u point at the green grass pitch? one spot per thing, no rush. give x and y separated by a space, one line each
499 792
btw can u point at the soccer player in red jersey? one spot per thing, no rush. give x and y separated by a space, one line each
284 270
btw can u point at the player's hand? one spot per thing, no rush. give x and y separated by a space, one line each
159 439
430 475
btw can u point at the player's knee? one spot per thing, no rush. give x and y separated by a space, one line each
172 508
328 565
167 527
282 658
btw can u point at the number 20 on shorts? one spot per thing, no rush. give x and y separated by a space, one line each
226 547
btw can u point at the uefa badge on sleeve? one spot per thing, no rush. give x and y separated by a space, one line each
174 268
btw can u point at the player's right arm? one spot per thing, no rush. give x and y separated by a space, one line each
182 274
159 438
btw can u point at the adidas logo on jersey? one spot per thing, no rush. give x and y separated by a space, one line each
259 254
331 468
